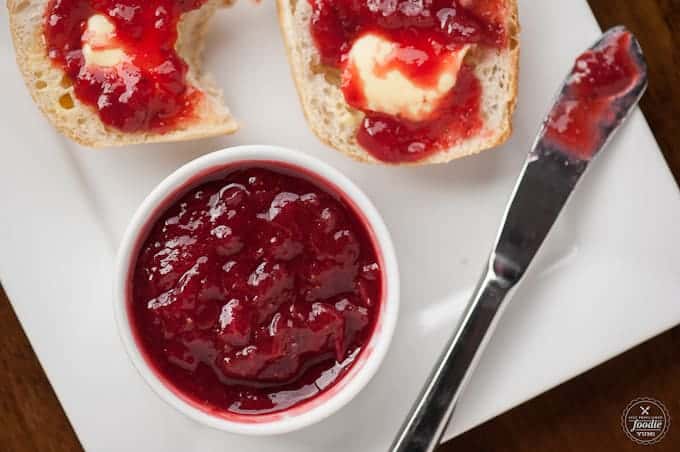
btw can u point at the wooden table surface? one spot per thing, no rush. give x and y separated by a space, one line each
580 415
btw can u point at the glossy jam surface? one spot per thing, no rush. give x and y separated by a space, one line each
337 23
423 31
599 77
147 92
255 292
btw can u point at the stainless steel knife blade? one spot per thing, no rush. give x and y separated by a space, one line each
564 147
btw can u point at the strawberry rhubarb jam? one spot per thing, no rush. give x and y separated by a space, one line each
403 65
120 56
255 292
600 76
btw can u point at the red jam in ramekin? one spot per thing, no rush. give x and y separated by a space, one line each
256 291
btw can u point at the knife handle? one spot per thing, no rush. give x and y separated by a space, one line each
428 419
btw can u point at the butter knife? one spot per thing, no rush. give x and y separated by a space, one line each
571 135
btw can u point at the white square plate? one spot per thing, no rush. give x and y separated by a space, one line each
607 279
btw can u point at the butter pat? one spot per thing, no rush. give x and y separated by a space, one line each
391 91
99 44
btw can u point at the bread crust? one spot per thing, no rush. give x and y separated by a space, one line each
286 12
48 85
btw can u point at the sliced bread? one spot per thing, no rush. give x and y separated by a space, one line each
336 123
54 94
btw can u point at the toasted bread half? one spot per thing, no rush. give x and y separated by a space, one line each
336 123
53 93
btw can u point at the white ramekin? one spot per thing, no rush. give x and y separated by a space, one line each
193 174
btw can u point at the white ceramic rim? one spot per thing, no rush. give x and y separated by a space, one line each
370 358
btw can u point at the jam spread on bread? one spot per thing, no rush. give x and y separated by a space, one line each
120 57
599 77
404 66
255 292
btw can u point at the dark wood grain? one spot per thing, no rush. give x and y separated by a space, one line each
581 415
31 418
